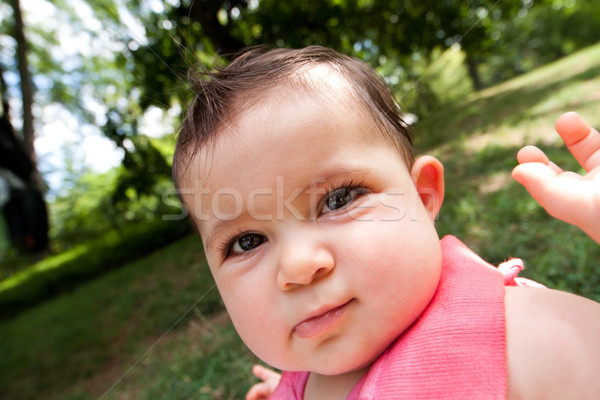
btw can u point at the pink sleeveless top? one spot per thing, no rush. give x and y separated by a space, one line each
457 347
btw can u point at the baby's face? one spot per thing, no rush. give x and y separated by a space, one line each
315 234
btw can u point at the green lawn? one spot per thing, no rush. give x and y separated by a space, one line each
477 140
156 329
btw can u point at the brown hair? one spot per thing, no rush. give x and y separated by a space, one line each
221 94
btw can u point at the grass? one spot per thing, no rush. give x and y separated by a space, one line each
62 272
156 329
478 139
77 345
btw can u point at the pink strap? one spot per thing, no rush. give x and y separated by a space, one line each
510 269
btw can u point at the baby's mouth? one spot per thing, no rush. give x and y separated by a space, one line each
321 323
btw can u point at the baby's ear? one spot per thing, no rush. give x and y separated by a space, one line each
428 175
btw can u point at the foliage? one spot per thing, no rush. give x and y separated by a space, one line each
376 31
498 39
541 35
440 81
91 204
139 174
84 211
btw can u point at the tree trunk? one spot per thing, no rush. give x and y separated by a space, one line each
26 93
473 73
27 207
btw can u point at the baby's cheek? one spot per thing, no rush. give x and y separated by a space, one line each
255 324
269 348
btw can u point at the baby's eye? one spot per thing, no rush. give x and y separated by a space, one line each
341 197
247 242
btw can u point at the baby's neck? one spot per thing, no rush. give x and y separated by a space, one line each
332 386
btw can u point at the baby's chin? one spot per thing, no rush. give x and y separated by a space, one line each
332 366
345 369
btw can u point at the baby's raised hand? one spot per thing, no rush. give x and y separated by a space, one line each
566 195
269 381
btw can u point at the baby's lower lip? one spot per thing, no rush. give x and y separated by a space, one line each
315 326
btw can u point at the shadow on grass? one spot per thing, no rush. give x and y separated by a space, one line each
507 107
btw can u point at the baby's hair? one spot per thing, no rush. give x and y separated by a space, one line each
259 72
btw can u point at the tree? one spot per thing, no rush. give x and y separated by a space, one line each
26 86
394 29
25 210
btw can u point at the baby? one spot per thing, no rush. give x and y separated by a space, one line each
318 226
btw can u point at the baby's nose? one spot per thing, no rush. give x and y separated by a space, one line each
303 262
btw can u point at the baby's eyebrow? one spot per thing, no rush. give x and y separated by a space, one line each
344 172
341 172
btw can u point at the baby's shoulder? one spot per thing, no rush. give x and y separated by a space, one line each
553 344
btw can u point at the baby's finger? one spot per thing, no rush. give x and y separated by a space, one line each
532 154
258 391
582 140
529 154
263 373
567 196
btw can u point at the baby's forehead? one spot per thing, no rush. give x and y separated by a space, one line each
321 82
264 127
271 142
